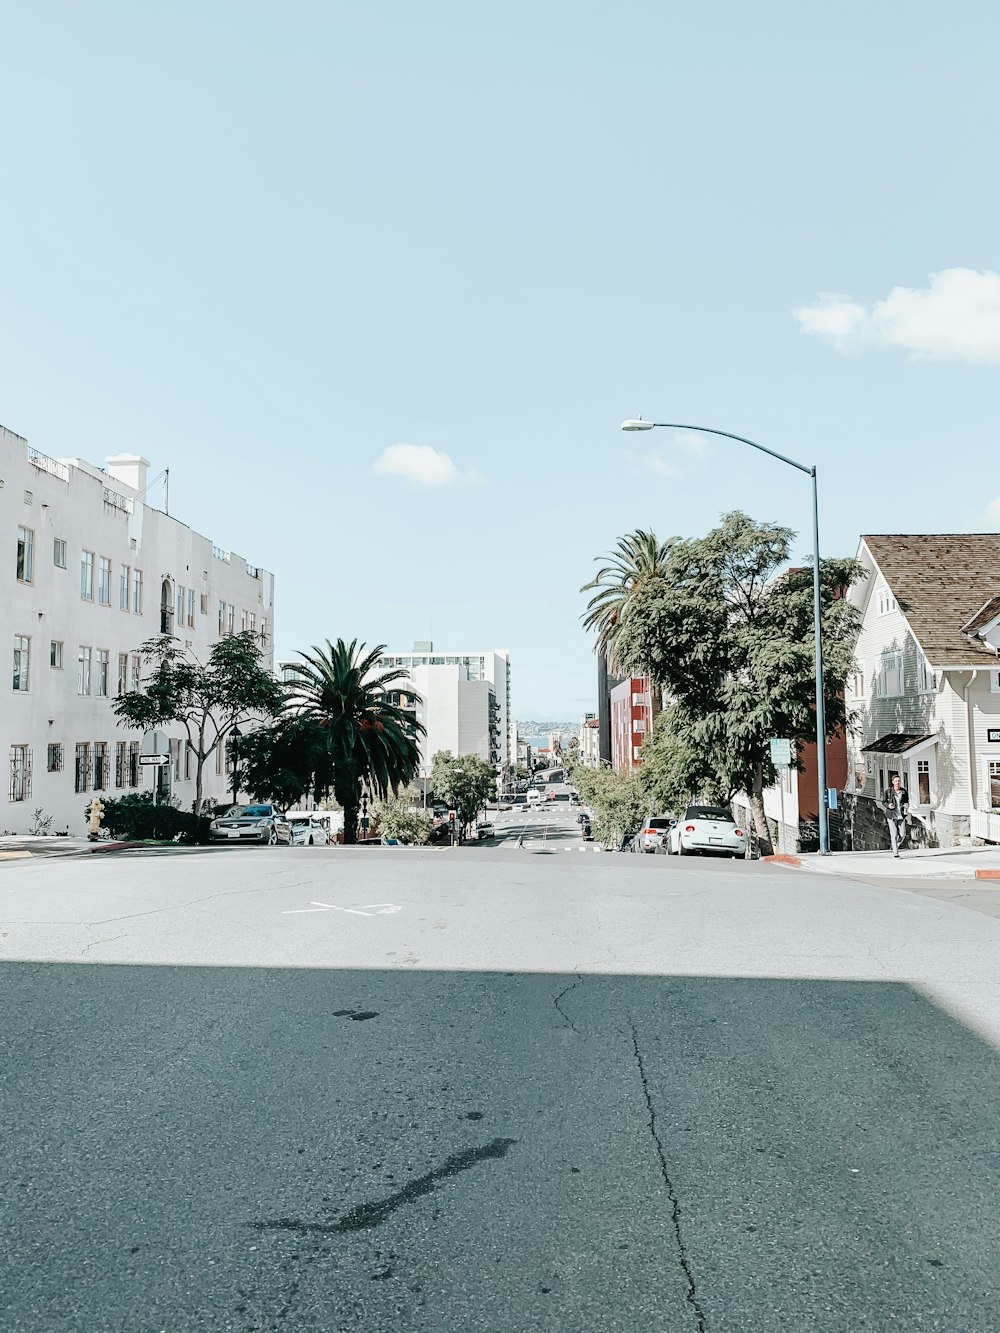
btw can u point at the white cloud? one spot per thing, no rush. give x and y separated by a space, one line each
955 318
419 463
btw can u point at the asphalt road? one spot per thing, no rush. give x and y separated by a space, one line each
492 1090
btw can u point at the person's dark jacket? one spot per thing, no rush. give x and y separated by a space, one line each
890 802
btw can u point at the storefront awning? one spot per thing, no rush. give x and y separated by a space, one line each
899 742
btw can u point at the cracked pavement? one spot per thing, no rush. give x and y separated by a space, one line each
609 1093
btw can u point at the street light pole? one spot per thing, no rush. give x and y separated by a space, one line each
822 796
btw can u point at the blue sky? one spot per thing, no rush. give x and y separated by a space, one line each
263 244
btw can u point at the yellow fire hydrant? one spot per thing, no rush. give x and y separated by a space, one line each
95 810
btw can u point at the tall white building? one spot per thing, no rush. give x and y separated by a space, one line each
91 572
465 701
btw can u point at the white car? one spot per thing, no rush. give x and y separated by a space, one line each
654 832
706 828
308 830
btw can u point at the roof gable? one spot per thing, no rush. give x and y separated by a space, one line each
943 584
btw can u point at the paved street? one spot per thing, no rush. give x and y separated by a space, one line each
393 1089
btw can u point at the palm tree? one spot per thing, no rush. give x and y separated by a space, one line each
635 561
371 742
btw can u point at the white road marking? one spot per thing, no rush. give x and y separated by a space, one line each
379 909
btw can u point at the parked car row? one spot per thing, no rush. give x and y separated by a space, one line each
266 824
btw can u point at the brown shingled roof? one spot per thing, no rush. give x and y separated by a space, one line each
987 612
941 582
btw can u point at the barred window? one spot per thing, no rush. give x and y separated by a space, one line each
82 774
121 762
54 761
100 765
20 772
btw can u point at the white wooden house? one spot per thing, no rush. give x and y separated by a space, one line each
924 701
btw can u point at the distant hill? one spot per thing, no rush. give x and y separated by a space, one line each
528 727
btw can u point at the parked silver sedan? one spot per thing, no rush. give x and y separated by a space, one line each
308 830
251 823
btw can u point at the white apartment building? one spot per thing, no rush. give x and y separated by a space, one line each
92 571
465 701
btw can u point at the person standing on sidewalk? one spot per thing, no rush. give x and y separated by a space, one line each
897 807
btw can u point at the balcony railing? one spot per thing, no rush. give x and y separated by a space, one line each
117 501
253 571
219 553
986 825
46 464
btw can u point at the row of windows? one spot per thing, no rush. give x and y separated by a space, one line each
96 573
476 666
93 667
887 683
97 577
91 766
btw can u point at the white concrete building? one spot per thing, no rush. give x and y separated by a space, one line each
590 740
92 571
465 701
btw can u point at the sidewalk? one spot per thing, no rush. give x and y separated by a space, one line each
921 863
15 848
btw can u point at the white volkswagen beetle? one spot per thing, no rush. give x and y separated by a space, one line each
706 828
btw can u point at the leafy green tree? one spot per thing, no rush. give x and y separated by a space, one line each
207 698
466 783
286 761
617 802
370 742
638 560
728 637
396 818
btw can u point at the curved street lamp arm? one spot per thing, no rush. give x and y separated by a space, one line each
707 430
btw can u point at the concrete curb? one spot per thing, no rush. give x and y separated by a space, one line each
988 874
784 859
113 846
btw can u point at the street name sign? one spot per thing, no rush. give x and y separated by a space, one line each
781 753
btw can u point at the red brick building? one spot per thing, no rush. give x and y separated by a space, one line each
634 706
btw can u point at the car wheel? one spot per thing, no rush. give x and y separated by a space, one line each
272 836
682 850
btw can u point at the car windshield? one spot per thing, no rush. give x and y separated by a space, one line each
248 812
709 812
658 823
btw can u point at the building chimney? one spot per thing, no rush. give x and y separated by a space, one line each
130 470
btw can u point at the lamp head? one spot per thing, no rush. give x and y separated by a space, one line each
637 423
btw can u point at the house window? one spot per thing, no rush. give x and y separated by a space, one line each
87 576
124 584
133 763
926 678
83 674
923 782
136 670
858 680
204 603
137 591
218 759
103 672
639 724
122 673
121 762
20 773
25 555
251 621
995 682
22 661
222 619
56 654
889 684
100 765
59 553
190 608
886 602
175 752
104 581
54 757
188 752
82 774
230 619
243 623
